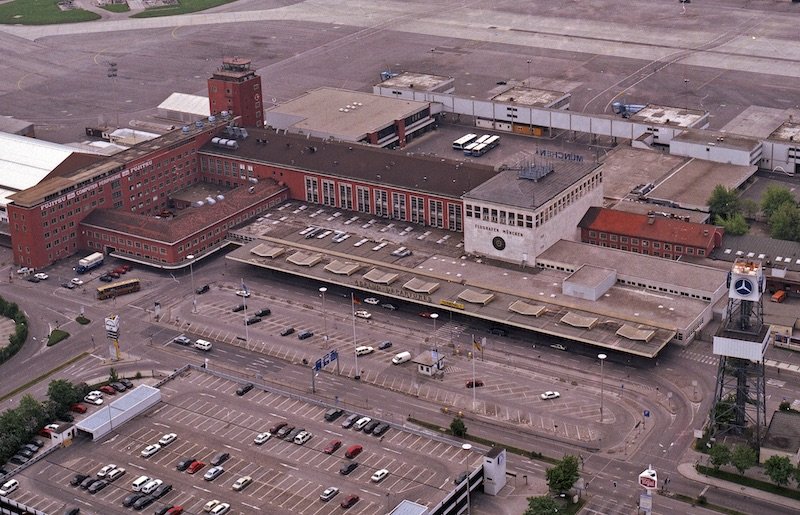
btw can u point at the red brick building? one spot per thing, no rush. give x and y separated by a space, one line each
670 238
235 88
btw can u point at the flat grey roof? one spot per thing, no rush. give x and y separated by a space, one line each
756 121
693 183
718 139
774 253
643 208
788 131
783 432
666 115
625 168
344 114
589 275
529 96
418 81
508 189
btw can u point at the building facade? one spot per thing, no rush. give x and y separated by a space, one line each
235 88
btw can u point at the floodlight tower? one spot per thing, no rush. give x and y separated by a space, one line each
740 343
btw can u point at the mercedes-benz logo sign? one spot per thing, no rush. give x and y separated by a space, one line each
743 287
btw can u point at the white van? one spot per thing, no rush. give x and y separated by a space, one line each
364 350
401 357
202 345
139 482
151 486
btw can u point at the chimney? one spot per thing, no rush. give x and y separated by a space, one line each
651 219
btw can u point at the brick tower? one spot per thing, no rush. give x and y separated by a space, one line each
236 88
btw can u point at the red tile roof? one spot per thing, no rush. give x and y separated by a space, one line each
664 229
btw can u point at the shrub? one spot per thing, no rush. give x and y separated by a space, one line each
82 320
56 336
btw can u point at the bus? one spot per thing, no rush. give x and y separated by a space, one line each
116 289
463 141
468 148
479 150
493 141
483 139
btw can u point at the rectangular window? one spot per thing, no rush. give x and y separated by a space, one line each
656 244
312 190
678 248
328 193
436 209
645 243
690 250
398 206
417 210
634 241
346 196
613 237
623 239
363 199
603 236
454 222
593 234
381 203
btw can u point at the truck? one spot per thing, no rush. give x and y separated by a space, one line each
89 262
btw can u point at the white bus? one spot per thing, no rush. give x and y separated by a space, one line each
480 150
493 141
482 139
463 141
468 148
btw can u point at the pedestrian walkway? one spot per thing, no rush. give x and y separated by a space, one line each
688 471
713 360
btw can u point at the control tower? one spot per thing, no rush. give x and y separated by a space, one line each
739 397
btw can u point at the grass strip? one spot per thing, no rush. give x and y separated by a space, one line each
772 488
41 12
184 7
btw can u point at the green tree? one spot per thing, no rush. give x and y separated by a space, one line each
735 225
112 375
458 428
32 415
779 469
784 224
561 477
743 457
62 393
541 505
723 202
719 455
796 474
749 208
773 198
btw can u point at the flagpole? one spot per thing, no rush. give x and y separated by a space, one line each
244 299
355 344
473 374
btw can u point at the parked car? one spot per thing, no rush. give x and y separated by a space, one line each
97 401
350 420
264 312
184 463
546 396
332 447
33 279
97 486
78 479
150 450
285 430
252 320
477 383
143 502
353 451
76 281
241 483
277 427
9 486
106 278
243 293
89 481
390 307
371 426
261 438
69 285
360 423
384 345
287 331
103 472
108 390
379 476
195 466
162 490
221 509
238 308
362 313
380 429
41 276
175 510
347 468
329 493
182 340
213 473
132 498
349 501
293 433
303 335
78 408
115 474
302 437
372 300
244 389
167 439
332 414
203 289
220 458
72 511
127 382
118 386
210 505
18 459
558 346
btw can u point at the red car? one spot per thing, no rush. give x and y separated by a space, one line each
332 447
425 314
78 408
349 500
175 510
108 390
120 270
353 451
195 466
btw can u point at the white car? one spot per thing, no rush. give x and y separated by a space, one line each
364 350
372 300
115 474
363 313
76 281
167 439
41 276
150 450
97 401
210 505
221 509
243 293
302 437
363 421
103 472
546 396
242 483
9 486
379 476
261 438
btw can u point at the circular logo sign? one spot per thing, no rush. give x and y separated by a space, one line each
498 243
743 287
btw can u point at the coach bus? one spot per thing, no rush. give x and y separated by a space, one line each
463 141
116 289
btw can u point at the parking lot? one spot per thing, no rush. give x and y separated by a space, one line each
208 417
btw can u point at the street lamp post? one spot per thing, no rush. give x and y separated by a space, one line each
322 290
602 358
434 316
529 73
190 257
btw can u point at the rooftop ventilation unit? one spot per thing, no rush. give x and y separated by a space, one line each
185 129
534 172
